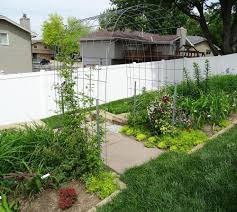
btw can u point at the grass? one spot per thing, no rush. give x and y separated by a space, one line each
203 181
115 107
54 122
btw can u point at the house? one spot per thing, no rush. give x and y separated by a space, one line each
15 46
41 50
110 48
198 43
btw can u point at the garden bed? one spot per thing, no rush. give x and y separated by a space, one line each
48 200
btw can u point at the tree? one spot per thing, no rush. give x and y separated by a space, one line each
63 37
53 28
147 17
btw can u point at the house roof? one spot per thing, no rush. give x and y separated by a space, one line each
194 40
37 41
130 35
14 23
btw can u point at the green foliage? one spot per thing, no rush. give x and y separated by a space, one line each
160 115
6 206
104 184
211 108
141 118
119 106
141 137
182 141
124 129
37 151
64 39
53 29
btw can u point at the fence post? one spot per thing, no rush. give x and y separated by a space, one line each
98 121
174 105
134 102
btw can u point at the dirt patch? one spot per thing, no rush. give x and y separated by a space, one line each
211 131
47 201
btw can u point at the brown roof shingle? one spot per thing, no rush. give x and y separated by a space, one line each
130 35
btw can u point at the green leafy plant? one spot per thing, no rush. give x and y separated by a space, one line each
104 184
141 137
160 115
6 206
124 129
183 141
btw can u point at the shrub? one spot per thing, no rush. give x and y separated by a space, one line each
67 197
141 118
103 184
160 115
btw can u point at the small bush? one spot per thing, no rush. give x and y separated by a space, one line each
160 115
103 184
67 197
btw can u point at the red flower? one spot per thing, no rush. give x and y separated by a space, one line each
67 197
161 110
165 99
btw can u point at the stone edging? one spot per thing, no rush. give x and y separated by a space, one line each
108 199
200 146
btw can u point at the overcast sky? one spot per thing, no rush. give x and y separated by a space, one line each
38 10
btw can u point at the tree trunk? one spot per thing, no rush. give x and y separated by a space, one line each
206 32
226 10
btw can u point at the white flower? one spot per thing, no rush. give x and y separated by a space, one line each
208 116
195 111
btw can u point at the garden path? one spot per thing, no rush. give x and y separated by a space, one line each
122 152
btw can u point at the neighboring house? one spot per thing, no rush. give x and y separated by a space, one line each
198 43
15 46
41 50
110 48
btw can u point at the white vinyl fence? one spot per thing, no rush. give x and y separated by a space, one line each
31 96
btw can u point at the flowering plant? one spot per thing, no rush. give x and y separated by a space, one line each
160 115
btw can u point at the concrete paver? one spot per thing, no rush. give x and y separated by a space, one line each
122 152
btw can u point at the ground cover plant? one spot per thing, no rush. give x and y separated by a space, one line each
203 181
103 184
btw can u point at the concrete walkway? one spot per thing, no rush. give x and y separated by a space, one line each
122 152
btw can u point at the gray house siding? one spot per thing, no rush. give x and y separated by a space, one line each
17 56
97 53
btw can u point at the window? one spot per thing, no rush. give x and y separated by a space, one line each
208 52
35 46
45 47
4 38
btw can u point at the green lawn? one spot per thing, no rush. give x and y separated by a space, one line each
203 181
115 107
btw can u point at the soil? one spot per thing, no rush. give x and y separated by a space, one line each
210 130
47 201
